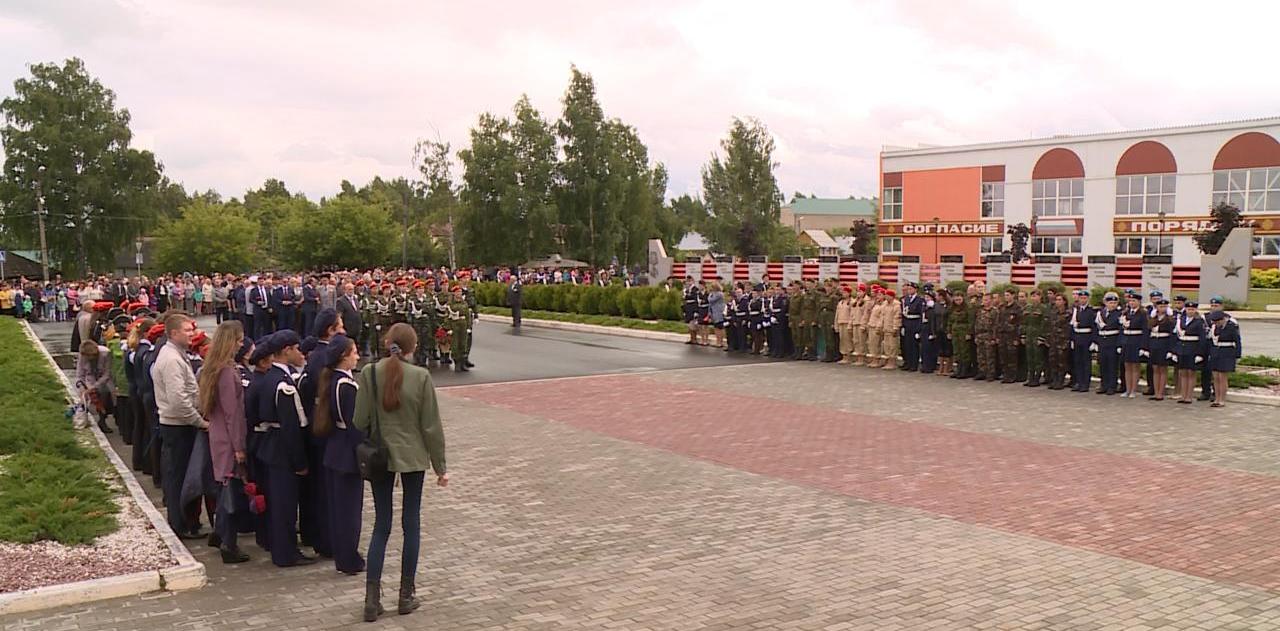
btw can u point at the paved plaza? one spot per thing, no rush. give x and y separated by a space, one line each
766 495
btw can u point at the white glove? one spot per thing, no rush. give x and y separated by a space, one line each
1143 353
1173 357
1093 348
1199 359
917 336
1119 350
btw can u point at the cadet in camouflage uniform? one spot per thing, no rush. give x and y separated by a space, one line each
381 318
808 312
827 323
1033 331
960 330
984 335
1007 332
1057 342
367 337
420 309
459 324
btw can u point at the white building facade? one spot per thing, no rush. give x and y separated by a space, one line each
1125 194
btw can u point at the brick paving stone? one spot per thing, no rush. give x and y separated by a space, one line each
574 529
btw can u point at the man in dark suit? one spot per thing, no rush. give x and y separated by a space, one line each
514 298
260 298
349 311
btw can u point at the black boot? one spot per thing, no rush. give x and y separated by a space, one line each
407 603
372 601
233 555
102 425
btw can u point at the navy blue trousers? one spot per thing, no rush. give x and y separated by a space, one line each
345 502
1108 366
313 502
410 523
928 353
1081 365
262 521
261 323
284 319
175 452
911 346
282 518
308 320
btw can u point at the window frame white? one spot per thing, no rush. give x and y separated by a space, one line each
1146 194
1040 198
1240 187
1147 245
985 245
991 199
1260 242
884 247
1036 247
891 201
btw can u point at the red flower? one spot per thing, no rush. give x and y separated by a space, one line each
258 505
251 489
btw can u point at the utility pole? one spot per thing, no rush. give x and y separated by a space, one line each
44 246
453 253
404 238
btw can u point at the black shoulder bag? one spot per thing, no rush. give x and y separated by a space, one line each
371 453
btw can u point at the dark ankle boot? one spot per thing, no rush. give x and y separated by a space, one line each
407 603
372 601
102 425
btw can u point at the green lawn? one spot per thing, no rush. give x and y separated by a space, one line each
51 486
1258 299
665 326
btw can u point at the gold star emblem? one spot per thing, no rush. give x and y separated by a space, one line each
1232 269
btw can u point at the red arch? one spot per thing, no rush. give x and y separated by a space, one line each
1058 163
1145 157
1247 151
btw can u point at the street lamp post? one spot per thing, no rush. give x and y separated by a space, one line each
936 225
44 246
1160 240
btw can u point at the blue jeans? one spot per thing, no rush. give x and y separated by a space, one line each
410 519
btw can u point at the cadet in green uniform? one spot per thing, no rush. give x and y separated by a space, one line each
984 335
1033 332
1008 332
826 322
960 330
459 325
1057 341
813 295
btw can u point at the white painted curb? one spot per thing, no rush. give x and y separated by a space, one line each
660 336
187 574
1233 397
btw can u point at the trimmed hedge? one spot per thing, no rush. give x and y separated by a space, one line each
644 303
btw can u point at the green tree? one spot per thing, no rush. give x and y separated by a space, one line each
64 136
864 237
1019 236
589 221
345 231
1223 219
433 162
741 192
207 238
690 214
270 206
171 197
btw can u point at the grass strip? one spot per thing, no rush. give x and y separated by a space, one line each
665 326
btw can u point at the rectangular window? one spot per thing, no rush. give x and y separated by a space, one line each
892 201
1145 194
992 199
1056 198
1138 246
891 245
1266 246
1250 190
1056 245
991 245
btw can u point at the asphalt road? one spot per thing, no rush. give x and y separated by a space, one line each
502 353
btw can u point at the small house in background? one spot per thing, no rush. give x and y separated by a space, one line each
821 240
816 213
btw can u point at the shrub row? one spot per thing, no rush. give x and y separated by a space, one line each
645 303
1264 278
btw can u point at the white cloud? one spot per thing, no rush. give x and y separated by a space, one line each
229 93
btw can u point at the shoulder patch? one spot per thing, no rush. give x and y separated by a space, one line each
286 388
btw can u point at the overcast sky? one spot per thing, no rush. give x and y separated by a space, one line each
230 92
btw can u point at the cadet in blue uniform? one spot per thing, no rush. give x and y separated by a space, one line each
743 308
1083 329
313 513
1192 350
755 319
259 363
913 308
1208 383
930 340
283 449
1160 322
1133 343
779 322
1109 330
344 489
1224 332
1156 296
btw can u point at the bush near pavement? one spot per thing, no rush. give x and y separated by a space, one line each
665 326
51 486
641 303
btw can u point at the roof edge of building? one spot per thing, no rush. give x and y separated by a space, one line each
895 151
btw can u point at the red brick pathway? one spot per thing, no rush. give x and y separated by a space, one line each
1212 523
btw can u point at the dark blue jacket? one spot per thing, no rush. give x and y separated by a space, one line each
280 411
310 297
1084 326
340 449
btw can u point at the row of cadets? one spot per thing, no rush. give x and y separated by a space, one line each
282 450
1084 322
313 510
343 486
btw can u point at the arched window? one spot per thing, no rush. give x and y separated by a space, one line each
1246 173
1057 184
1145 180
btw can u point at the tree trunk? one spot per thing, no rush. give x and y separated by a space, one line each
83 259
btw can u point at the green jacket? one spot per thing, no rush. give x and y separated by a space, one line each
1034 322
413 433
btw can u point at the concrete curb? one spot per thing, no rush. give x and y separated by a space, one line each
660 336
1232 397
187 574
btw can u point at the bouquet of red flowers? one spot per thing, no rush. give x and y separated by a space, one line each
257 501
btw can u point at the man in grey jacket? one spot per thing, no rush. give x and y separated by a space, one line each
178 404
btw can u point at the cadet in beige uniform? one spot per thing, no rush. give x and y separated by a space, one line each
890 326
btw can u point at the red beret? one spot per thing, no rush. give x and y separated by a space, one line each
846 288
456 287
199 338
419 284
155 332
862 286
101 307
360 282
890 293
402 282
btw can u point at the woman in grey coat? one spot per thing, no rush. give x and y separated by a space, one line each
715 303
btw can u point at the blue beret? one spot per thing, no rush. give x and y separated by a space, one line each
325 319
1214 316
284 339
245 345
1193 304
261 349
1081 292
1180 297
308 344
1216 300
336 350
1156 293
